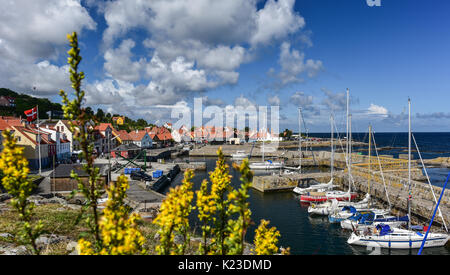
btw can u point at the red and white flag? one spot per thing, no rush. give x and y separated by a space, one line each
31 114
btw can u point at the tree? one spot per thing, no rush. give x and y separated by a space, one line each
100 115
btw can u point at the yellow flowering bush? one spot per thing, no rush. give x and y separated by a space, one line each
173 217
118 229
266 239
237 203
82 125
15 170
215 205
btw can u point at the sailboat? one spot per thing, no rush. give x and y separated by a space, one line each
239 155
321 187
369 219
333 194
331 206
387 237
395 238
266 165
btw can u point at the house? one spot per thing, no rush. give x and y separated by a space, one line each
111 135
62 143
28 138
62 126
7 101
118 120
61 180
126 150
161 136
6 123
141 138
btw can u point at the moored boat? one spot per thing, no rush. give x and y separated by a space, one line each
330 195
239 155
366 219
384 236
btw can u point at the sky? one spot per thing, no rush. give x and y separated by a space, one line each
145 59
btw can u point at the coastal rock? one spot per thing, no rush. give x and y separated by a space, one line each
15 250
4 197
6 236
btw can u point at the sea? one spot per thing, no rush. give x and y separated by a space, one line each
306 235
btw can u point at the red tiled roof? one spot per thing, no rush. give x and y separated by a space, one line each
137 135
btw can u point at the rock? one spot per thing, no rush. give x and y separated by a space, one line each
18 250
178 239
49 239
6 236
5 197
72 247
156 237
47 195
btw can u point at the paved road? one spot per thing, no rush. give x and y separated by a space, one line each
138 194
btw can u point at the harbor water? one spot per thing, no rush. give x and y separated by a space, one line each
305 235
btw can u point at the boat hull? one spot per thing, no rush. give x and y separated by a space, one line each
260 166
314 198
401 242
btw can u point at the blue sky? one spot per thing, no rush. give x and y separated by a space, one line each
142 58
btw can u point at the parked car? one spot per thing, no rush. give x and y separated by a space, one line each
140 175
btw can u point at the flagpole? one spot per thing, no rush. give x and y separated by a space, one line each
39 138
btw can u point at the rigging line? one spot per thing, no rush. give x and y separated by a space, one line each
429 182
342 147
381 170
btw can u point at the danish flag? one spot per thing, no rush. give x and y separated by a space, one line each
31 114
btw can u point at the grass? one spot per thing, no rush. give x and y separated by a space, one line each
60 220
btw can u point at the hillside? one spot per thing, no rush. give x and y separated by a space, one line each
26 102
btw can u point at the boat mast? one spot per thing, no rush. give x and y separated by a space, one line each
332 147
299 139
370 160
349 140
347 126
347 145
409 163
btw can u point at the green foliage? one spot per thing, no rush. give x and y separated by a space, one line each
25 102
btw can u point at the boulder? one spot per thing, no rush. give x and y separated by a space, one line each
72 247
15 250
4 197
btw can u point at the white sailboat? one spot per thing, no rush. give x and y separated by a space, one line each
384 236
330 207
387 237
370 219
266 165
239 155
